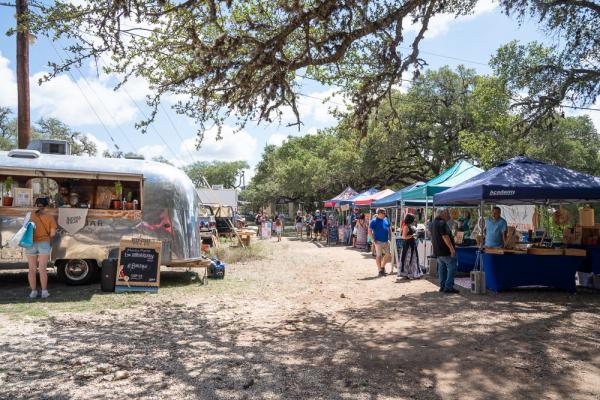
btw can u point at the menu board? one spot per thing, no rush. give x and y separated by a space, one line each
138 268
332 237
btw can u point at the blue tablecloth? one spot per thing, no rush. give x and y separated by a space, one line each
505 271
591 262
466 257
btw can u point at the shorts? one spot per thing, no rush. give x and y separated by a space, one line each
298 226
39 248
318 228
382 248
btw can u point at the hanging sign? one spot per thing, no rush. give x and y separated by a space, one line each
520 217
138 268
72 219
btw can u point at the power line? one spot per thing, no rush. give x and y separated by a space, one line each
152 125
87 100
103 106
176 131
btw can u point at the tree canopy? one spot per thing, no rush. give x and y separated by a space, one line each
226 173
45 128
447 115
243 58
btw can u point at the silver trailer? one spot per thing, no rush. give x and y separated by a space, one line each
168 209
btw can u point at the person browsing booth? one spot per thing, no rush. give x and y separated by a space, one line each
495 229
379 230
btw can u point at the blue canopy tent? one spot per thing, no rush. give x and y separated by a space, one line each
458 173
522 180
393 200
359 196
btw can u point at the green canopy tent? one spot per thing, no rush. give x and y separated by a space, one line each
458 173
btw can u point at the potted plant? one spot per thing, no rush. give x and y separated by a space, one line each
7 199
129 202
115 204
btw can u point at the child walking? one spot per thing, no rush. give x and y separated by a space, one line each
278 228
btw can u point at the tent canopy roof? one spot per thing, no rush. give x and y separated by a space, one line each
458 173
522 180
344 195
368 200
360 196
394 199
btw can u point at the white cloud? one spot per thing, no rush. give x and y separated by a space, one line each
317 107
594 115
152 151
8 84
440 23
76 102
277 139
101 145
80 103
232 147
312 130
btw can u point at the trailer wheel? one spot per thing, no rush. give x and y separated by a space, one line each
77 271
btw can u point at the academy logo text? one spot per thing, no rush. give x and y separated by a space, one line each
502 192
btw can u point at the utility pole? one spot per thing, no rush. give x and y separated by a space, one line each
23 118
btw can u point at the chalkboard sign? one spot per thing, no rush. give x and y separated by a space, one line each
332 237
138 268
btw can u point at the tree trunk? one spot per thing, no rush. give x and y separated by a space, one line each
24 123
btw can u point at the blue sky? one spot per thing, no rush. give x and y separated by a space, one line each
468 40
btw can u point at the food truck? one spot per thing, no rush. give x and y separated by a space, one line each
96 202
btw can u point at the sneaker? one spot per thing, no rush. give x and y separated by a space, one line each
33 294
45 294
451 291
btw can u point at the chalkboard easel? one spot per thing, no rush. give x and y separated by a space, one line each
138 268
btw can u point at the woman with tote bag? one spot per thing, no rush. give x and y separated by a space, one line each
39 253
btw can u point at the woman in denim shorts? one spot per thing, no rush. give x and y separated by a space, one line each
39 253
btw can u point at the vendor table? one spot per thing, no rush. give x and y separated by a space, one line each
505 271
466 257
591 262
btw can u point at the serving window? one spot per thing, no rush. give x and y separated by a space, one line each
99 192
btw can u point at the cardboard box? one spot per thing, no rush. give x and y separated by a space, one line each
585 279
433 270
478 282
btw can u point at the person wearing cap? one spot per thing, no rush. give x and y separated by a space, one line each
379 230
444 250
39 253
318 220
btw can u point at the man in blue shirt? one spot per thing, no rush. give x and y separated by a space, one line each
379 230
495 229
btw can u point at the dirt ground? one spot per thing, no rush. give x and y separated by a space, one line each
309 322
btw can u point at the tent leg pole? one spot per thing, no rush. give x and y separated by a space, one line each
425 240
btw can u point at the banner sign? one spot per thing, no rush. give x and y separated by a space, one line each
72 219
521 217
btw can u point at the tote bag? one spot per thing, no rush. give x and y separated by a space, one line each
27 239
13 243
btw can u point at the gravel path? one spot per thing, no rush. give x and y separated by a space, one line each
310 322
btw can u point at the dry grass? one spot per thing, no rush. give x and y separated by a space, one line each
231 255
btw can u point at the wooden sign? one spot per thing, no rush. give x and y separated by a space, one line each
138 269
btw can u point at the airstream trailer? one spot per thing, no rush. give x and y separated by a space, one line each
162 204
